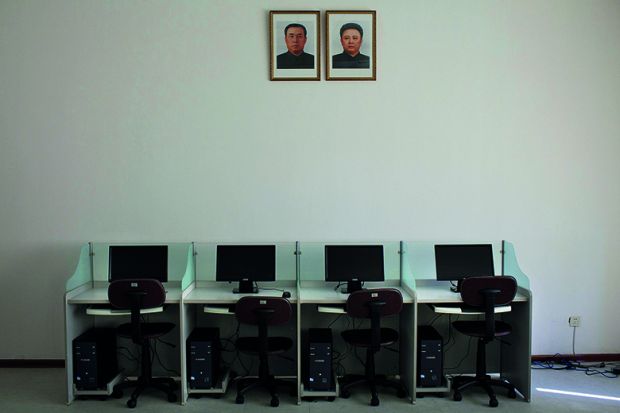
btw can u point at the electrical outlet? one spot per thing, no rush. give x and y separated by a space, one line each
574 321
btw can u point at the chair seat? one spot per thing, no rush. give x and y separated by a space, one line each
478 328
149 330
274 344
363 337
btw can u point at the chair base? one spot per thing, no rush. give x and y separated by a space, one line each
352 380
166 385
486 382
270 383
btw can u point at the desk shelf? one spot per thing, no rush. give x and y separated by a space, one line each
220 387
322 393
107 391
445 388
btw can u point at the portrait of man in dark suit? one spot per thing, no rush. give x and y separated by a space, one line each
351 37
295 37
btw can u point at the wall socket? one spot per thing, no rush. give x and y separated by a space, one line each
574 321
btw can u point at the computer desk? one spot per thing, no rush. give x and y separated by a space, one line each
204 299
514 359
77 321
317 296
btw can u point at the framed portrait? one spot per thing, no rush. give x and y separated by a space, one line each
295 45
351 45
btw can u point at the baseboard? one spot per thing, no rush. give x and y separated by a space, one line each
577 357
32 363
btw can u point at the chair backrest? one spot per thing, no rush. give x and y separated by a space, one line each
256 309
502 289
374 304
359 303
147 293
136 294
487 293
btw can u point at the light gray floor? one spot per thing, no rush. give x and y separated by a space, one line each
42 390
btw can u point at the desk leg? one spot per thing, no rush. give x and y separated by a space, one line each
186 326
298 328
516 358
407 323
76 322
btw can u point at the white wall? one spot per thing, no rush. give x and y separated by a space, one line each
156 121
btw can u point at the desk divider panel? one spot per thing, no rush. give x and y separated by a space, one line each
421 257
406 274
83 271
312 259
511 266
179 254
286 264
189 276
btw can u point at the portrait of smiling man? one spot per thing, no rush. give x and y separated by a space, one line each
351 37
295 37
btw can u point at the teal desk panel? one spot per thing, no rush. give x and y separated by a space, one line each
177 259
312 259
206 253
421 257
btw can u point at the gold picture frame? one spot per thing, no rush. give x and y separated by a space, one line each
294 45
351 45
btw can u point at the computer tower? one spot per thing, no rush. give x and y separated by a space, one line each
430 357
94 359
318 360
203 358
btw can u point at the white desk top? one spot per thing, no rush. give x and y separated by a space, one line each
224 295
327 295
431 291
100 296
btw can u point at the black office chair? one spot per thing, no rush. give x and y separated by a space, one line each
485 293
373 304
262 312
136 294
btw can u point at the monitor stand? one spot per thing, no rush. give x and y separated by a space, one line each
352 286
246 287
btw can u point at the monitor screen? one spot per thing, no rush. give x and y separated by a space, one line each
455 262
354 262
245 262
138 261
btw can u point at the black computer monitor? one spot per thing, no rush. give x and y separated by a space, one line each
354 264
138 261
245 264
455 262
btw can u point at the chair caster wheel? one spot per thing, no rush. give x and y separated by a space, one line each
131 403
275 402
493 402
345 394
374 401
240 400
457 396
512 394
172 397
117 393
401 393
331 398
